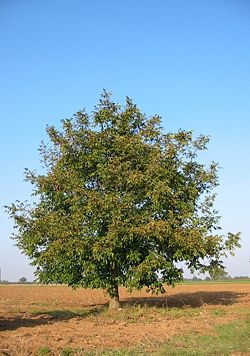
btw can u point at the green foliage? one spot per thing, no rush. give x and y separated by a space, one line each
120 202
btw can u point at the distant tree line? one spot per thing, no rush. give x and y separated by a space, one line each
219 274
225 278
22 280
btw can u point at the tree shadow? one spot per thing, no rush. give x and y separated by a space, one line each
47 317
181 300
191 300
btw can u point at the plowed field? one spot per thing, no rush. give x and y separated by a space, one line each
34 319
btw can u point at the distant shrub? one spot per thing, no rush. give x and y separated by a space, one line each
22 280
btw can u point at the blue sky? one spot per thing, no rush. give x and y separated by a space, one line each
188 61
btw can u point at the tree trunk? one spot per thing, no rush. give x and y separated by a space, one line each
114 299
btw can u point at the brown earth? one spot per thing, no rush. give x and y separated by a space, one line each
32 317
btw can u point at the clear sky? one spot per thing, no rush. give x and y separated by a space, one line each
188 61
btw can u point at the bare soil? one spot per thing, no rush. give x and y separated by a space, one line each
32 317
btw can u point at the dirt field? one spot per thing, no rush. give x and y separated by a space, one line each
34 317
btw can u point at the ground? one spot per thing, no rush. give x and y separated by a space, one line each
36 320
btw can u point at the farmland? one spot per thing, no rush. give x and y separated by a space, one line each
55 320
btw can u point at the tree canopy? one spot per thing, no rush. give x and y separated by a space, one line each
120 202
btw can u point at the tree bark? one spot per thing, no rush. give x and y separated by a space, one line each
114 303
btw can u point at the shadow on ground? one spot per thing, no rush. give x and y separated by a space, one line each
181 300
46 317
191 300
